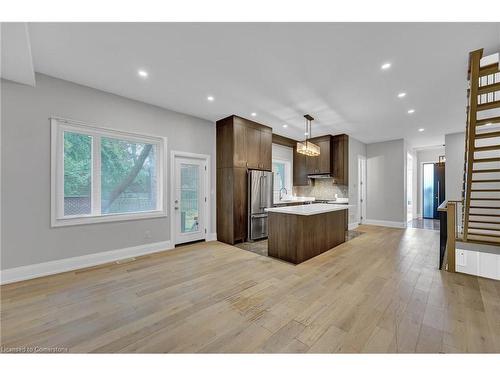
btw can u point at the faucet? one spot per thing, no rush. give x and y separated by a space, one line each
281 196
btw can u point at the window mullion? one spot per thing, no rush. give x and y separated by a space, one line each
96 175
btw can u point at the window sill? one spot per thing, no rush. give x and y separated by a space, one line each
81 220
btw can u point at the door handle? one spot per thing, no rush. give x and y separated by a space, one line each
176 208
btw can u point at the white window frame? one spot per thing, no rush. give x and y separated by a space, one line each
61 125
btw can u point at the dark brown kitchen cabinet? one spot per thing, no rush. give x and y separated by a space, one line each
240 148
320 164
259 148
333 160
241 145
340 159
299 169
231 204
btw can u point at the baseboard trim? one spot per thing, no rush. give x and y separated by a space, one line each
353 226
32 271
385 223
211 237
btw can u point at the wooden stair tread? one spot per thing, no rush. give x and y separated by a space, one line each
486 170
488 69
486 180
485 207
488 88
489 105
483 234
484 228
485 215
486 148
486 160
487 135
492 120
484 222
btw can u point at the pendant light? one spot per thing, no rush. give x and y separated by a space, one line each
307 147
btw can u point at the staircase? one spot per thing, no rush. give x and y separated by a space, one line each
481 188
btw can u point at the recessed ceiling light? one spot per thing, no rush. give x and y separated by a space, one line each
401 94
210 98
285 126
410 111
421 129
306 133
253 114
142 73
385 66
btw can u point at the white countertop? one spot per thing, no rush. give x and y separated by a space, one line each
309 209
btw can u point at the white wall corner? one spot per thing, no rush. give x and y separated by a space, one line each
353 226
32 271
211 237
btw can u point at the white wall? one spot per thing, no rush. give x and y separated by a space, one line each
27 237
454 173
385 198
356 149
430 155
414 182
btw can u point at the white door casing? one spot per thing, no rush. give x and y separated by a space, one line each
190 203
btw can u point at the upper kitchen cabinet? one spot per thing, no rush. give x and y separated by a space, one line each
332 161
243 143
340 159
299 169
321 164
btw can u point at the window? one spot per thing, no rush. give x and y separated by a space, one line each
282 178
105 175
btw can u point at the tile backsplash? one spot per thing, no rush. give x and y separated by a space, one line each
322 189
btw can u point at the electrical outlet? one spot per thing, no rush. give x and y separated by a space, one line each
461 259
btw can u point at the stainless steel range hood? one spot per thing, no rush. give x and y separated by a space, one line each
317 176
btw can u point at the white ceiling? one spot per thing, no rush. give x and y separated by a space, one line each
280 71
16 62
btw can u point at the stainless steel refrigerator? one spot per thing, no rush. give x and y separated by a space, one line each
260 197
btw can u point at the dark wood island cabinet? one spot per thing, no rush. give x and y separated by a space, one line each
298 233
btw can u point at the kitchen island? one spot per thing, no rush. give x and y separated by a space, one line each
298 233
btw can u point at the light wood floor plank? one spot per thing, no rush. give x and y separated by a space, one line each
379 292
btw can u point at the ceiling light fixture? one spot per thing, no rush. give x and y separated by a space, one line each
285 126
421 130
142 73
307 147
401 94
210 98
410 111
385 66
253 114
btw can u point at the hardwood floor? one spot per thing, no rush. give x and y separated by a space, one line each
380 292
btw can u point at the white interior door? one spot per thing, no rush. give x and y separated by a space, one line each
189 205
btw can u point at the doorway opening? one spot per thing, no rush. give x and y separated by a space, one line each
433 194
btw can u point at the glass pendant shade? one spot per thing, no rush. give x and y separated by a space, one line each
307 147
